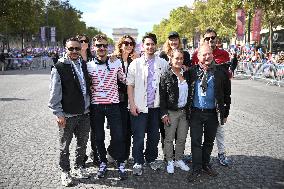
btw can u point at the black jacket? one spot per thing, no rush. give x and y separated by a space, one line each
169 91
222 89
122 88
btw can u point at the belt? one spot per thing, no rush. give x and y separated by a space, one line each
194 109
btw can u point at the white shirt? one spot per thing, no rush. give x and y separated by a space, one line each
137 77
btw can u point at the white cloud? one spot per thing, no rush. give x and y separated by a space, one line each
140 14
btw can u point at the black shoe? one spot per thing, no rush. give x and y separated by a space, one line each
102 170
211 172
194 175
122 172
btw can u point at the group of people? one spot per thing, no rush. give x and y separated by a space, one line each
137 95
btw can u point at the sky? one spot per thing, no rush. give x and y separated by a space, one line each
139 14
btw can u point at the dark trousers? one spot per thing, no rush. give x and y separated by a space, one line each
117 142
79 126
125 120
141 124
93 138
202 122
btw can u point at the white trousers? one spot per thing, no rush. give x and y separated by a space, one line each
220 139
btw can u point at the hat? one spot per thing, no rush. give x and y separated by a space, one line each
173 34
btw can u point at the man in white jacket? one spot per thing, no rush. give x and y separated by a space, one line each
143 80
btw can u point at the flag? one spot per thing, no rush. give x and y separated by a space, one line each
256 22
241 23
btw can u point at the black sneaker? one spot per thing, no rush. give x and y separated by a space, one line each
102 170
122 172
194 175
211 172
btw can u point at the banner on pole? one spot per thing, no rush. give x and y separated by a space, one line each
241 23
52 34
256 23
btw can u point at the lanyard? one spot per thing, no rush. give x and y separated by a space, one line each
80 74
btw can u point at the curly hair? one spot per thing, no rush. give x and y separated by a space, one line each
167 48
118 45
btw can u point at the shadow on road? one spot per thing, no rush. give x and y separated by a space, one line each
12 99
245 172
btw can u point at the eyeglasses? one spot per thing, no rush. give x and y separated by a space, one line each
84 40
101 45
74 48
208 38
126 43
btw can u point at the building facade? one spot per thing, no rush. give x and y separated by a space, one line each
119 32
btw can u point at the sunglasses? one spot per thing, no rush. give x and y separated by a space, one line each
101 45
85 41
126 43
74 48
208 38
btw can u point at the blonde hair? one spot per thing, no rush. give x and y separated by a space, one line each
118 45
167 48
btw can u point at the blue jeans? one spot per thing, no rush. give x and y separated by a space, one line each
117 142
141 124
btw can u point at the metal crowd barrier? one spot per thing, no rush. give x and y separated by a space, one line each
271 73
30 63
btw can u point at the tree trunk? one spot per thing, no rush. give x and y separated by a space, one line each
22 35
270 36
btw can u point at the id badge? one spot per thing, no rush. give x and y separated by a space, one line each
203 93
103 94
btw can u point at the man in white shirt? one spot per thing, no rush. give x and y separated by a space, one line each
143 80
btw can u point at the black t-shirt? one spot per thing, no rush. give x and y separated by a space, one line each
186 55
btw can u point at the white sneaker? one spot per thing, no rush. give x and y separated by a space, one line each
81 173
182 165
137 169
66 179
170 167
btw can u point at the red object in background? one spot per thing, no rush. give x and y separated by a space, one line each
241 23
256 25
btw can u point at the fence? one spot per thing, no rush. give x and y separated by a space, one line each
28 63
271 73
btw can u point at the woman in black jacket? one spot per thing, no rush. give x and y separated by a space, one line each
173 103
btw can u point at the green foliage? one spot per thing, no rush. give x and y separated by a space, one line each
217 14
25 17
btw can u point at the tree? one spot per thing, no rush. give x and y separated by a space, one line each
273 15
21 17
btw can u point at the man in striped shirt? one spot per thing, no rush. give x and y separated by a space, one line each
105 103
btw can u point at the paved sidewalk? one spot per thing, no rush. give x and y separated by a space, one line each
29 140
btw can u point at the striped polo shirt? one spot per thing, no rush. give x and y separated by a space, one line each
104 88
